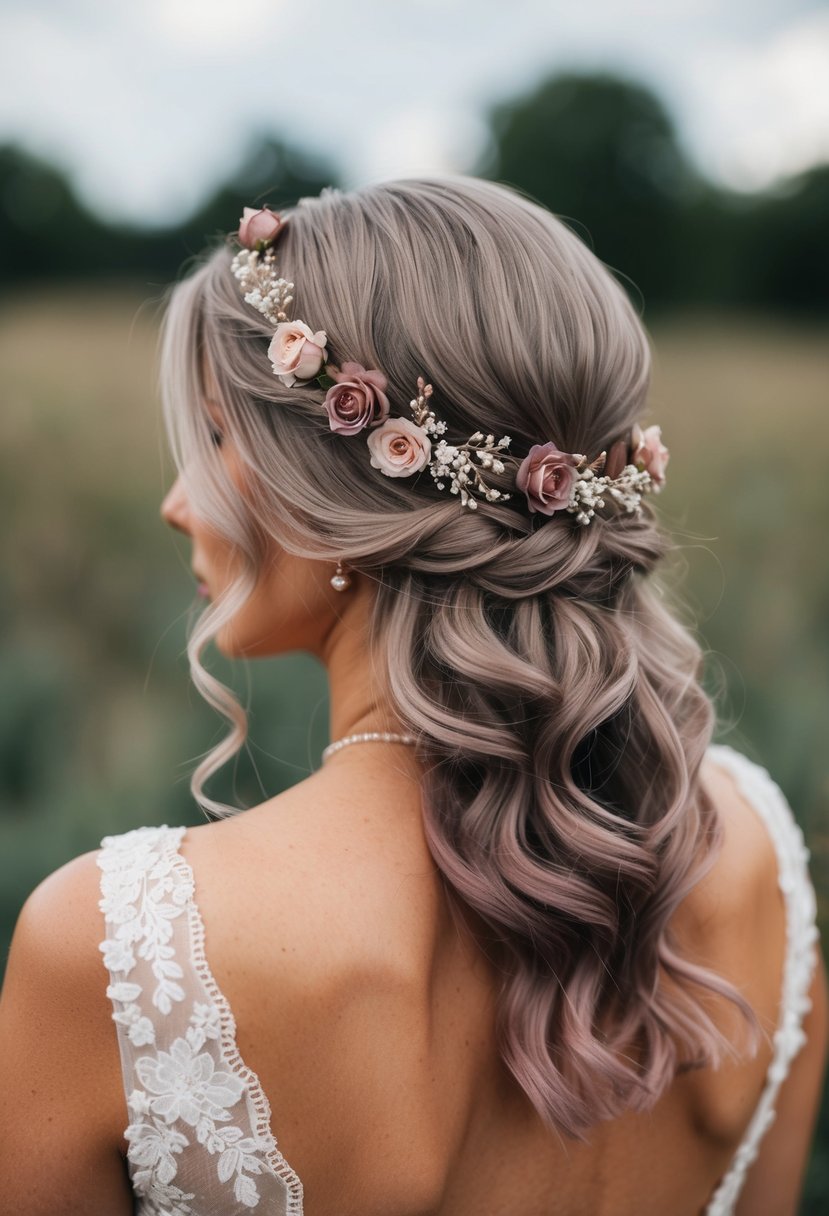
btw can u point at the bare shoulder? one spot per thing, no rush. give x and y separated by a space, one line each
739 905
746 869
749 947
59 1064
55 968
734 922
60 926
338 885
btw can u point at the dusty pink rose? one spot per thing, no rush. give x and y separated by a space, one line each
258 225
357 399
296 352
546 476
399 447
651 455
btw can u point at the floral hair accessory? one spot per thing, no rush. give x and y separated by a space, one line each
564 481
550 480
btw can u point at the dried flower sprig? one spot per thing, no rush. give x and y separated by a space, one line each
453 462
264 289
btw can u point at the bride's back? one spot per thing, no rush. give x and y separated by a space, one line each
529 650
369 1017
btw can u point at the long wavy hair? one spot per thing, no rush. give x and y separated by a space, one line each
555 693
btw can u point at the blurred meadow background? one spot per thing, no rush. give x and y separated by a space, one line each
690 150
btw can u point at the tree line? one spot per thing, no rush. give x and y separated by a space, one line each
602 152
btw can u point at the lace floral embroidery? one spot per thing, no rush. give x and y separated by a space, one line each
191 1088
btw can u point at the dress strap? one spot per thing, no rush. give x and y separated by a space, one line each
199 1131
802 936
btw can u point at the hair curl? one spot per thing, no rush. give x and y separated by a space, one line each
555 694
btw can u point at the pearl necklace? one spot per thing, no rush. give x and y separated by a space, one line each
382 736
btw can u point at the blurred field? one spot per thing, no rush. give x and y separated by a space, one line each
98 726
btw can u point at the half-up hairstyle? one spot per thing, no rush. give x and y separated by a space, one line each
554 692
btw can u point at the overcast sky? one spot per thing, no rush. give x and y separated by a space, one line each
149 104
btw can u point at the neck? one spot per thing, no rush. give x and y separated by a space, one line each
390 766
355 705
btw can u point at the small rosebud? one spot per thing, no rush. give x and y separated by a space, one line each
259 227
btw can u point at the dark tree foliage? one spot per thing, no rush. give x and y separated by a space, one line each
599 150
46 233
602 153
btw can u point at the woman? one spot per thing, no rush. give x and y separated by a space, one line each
521 944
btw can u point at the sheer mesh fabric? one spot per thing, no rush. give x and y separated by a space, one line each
200 1140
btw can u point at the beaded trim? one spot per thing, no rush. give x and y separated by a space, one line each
381 736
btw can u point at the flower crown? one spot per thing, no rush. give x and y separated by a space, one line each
551 480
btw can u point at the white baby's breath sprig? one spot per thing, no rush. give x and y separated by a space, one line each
264 289
453 462
627 490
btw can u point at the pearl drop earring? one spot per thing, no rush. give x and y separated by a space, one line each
339 580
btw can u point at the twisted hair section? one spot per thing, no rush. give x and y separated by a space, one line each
554 689
565 732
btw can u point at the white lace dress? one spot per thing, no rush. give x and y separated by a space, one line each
199 1135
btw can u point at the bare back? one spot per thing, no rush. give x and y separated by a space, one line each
369 1017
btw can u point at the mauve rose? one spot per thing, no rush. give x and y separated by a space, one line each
546 476
399 447
258 225
651 455
357 399
296 352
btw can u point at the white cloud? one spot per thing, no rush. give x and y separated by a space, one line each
765 108
129 115
151 104
211 26
419 140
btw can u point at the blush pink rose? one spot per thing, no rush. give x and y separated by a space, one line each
399 447
357 399
259 225
651 455
546 476
296 352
